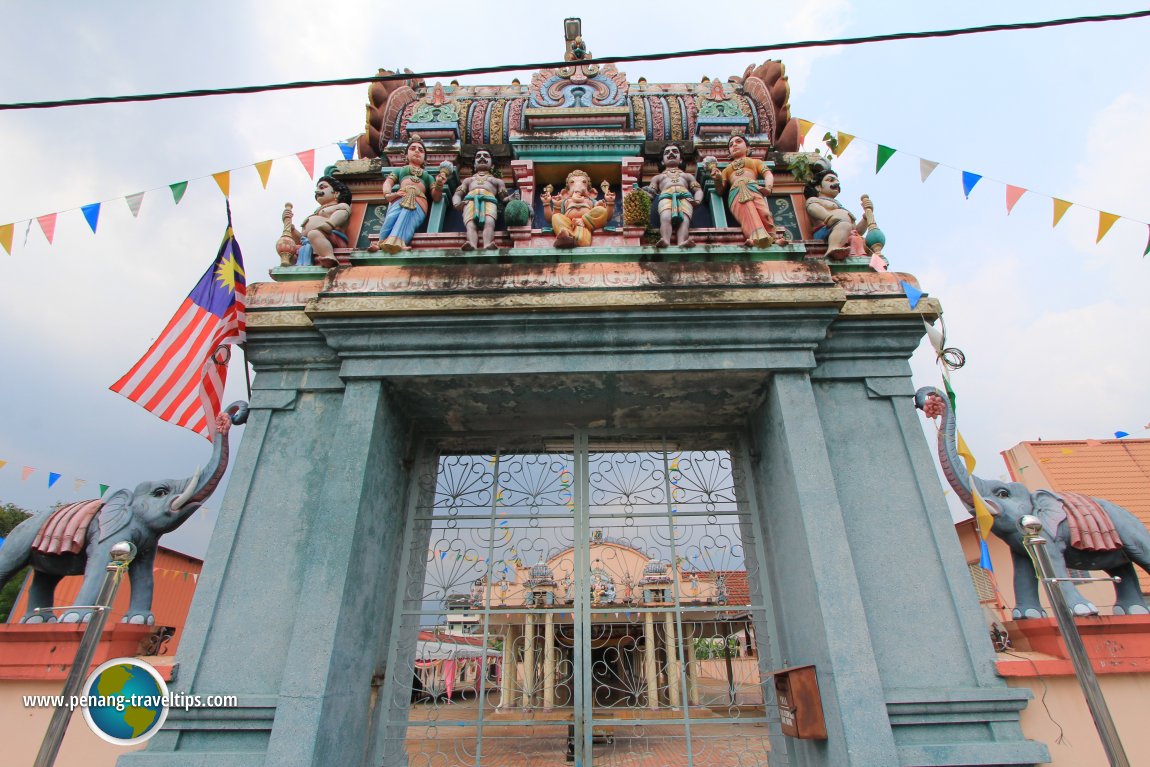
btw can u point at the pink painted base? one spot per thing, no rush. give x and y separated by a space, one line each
46 651
1116 644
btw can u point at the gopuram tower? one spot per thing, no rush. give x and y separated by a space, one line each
582 407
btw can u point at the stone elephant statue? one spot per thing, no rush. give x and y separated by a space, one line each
78 538
1083 533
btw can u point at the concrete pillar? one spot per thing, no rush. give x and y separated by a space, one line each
507 682
649 669
528 660
673 693
549 662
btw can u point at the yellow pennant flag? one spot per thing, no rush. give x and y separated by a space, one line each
1060 208
804 128
264 169
224 181
6 238
982 515
967 456
1105 221
845 140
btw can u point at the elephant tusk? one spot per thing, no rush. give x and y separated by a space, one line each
190 488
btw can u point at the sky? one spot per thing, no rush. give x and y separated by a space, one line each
1053 326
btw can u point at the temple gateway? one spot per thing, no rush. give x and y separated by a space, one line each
582 433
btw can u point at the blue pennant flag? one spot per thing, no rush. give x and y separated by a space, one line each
968 181
913 294
984 558
53 476
348 149
92 214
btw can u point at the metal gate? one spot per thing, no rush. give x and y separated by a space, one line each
588 602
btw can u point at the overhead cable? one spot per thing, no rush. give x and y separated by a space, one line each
584 62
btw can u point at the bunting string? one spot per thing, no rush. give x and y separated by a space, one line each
52 477
838 141
91 211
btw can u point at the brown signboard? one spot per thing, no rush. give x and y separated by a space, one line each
800 708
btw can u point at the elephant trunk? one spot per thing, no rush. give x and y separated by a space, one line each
934 403
203 482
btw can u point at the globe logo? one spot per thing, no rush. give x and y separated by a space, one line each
127 701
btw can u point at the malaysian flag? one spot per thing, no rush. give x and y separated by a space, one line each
181 378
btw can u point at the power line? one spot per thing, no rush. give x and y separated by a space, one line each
300 85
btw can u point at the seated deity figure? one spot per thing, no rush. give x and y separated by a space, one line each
677 193
577 211
408 204
747 181
479 197
836 224
326 228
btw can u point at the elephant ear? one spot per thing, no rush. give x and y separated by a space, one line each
1048 506
116 514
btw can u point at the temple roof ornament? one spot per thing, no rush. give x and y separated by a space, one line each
585 96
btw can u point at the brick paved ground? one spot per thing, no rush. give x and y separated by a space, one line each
432 742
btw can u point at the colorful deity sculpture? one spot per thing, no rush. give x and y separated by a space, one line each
677 193
324 230
747 181
408 204
478 197
576 212
836 224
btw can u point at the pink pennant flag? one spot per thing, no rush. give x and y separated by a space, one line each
308 160
1013 194
27 472
877 263
48 225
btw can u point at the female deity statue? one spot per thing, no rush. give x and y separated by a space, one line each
407 206
576 212
747 181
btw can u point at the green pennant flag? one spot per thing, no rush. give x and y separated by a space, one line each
1147 244
178 190
950 394
884 154
103 489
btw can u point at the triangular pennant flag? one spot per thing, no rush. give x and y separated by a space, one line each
6 238
1060 208
223 181
845 140
308 160
27 231
48 225
884 153
348 149
1121 434
53 477
195 577
77 484
1105 221
26 472
804 128
968 181
984 556
91 214
913 294
877 262
967 456
926 167
264 169
134 201
1013 194
3 464
1143 252
103 489
178 190
937 340
950 392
